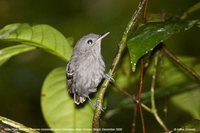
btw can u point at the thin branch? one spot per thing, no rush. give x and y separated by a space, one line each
115 63
142 119
153 83
138 97
7 126
135 108
153 105
145 12
181 64
122 90
154 112
146 108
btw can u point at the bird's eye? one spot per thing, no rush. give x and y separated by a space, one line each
89 42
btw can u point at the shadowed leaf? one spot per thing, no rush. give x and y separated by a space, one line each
151 34
7 53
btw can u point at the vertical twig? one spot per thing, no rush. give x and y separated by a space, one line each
135 108
153 83
138 97
181 64
115 63
145 11
142 119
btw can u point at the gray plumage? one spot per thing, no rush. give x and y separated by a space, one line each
86 67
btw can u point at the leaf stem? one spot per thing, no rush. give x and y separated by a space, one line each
138 97
153 83
6 123
142 119
146 108
180 63
122 91
122 45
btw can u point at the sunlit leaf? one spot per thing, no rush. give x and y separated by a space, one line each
58 106
10 126
151 34
11 51
43 36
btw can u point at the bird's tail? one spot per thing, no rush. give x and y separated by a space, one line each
78 99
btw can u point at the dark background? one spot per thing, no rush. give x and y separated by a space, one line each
21 77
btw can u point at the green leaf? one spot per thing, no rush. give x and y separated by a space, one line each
9 126
43 36
151 34
9 52
58 106
189 102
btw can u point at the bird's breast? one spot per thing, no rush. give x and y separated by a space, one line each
91 70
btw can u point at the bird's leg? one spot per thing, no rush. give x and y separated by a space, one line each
109 77
96 104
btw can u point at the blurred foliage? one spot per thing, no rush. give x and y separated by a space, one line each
21 77
190 127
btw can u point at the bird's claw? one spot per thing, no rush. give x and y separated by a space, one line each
98 106
109 77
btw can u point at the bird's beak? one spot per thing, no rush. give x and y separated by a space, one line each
102 36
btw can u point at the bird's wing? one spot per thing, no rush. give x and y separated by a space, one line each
70 78
71 86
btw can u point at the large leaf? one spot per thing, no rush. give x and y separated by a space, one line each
58 106
151 34
42 36
189 102
11 51
10 126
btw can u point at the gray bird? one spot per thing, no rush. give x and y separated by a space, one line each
86 67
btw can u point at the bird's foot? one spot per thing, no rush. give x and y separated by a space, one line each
109 77
96 104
